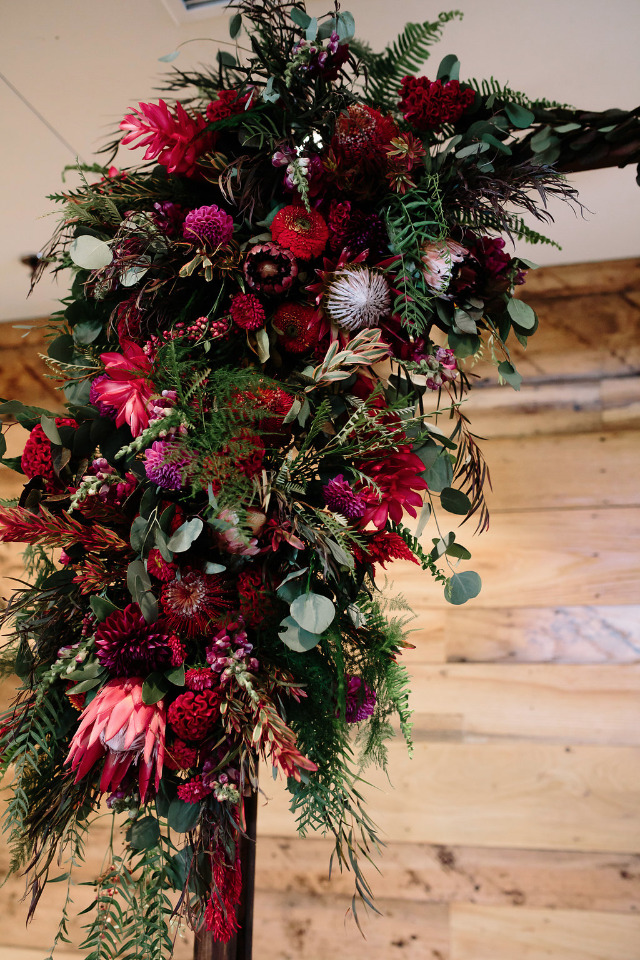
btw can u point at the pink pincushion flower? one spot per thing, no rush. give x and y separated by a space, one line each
399 479
127 388
118 725
176 141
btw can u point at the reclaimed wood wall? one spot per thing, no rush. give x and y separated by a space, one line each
514 832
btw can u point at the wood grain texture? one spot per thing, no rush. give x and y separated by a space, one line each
545 558
503 933
541 702
579 634
536 796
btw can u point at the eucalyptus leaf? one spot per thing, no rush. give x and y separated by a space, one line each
522 314
262 342
440 474
235 25
462 587
312 30
87 332
295 637
463 323
455 501
211 567
449 68
300 18
423 519
144 834
269 95
50 429
101 608
463 345
169 57
519 116
510 374
339 555
154 688
226 59
176 675
183 816
313 612
90 253
185 535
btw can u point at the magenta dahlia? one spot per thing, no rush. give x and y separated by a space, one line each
128 646
208 225
166 464
340 497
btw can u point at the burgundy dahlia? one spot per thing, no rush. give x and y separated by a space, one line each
270 269
193 715
340 497
208 224
128 646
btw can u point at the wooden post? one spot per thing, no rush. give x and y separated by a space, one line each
239 947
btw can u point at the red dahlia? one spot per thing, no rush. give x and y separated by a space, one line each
301 231
129 646
247 312
297 326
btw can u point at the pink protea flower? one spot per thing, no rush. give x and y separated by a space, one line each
127 388
118 725
209 225
399 479
438 259
176 141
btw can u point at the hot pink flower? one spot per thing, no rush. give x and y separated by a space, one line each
176 141
119 725
127 387
398 477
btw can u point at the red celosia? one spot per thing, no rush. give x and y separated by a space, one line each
301 231
194 604
297 326
382 547
176 141
427 105
36 457
220 912
399 479
227 105
247 312
193 714
128 388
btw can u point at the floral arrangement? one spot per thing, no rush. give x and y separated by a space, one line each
264 358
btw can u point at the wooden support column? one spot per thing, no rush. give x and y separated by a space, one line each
239 947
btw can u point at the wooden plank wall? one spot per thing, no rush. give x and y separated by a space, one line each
514 832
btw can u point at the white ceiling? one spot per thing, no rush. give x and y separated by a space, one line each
80 64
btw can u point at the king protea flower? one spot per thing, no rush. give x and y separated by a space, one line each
118 725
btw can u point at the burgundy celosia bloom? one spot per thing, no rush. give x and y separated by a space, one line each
340 497
127 388
208 225
220 912
301 231
399 478
128 646
193 714
36 458
247 312
427 105
270 269
361 700
167 464
176 141
193 604
118 724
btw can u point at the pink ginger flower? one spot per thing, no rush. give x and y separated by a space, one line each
175 140
119 725
399 479
127 387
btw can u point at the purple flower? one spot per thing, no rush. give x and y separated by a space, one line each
104 409
361 700
340 497
209 225
166 463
